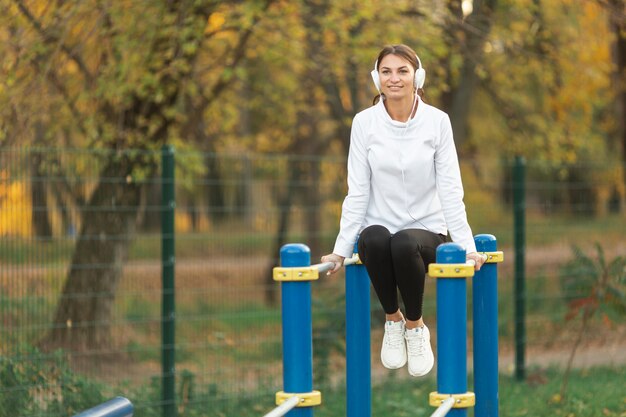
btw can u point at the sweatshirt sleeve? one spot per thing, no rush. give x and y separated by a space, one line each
450 188
355 204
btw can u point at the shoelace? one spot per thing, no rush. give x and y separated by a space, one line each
394 337
416 343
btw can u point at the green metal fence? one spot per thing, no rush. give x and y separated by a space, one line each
96 300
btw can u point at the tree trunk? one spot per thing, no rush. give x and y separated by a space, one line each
312 201
311 140
216 202
618 28
83 317
40 220
284 215
457 101
243 192
151 220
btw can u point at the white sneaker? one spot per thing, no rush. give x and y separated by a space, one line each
393 352
419 352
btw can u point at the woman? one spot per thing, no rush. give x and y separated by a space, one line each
404 196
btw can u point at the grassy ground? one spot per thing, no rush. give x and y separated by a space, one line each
597 392
229 338
237 240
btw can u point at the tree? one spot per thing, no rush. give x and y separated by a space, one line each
616 10
120 71
468 36
134 75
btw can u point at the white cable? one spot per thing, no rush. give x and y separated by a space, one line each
406 128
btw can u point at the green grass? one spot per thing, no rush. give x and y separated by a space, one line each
540 230
597 392
547 230
28 251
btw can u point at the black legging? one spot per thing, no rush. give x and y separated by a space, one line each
398 261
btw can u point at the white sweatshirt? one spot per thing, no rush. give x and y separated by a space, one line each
403 176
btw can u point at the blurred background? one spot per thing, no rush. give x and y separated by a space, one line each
155 156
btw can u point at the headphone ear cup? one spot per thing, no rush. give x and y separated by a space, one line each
376 79
420 77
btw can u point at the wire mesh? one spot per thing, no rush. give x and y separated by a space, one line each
233 212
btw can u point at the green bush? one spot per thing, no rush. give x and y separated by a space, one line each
36 384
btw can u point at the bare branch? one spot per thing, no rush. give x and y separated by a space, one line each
614 8
223 29
515 119
237 55
52 39
78 117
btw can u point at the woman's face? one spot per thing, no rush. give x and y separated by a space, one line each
396 77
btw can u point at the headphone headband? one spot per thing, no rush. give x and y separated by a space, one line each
418 79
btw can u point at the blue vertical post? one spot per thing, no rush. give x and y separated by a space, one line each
485 337
452 328
358 346
297 328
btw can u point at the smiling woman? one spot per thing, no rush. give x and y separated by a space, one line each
407 65
404 196
396 79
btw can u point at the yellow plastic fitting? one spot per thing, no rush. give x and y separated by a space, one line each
305 273
460 400
307 399
450 270
494 257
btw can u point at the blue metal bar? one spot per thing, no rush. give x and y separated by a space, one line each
358 346
297 328
117 407
451 328
485 314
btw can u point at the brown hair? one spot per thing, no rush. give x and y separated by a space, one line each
403 51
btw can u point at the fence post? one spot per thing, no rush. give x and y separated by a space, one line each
451 328
519 207
297 329
358 344
485 328
168 310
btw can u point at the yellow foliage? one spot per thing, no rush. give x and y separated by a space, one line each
71 67
184 224
15 207
215 22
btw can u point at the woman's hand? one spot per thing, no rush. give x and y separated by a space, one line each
334 258
478 258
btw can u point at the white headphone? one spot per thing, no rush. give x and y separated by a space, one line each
418 80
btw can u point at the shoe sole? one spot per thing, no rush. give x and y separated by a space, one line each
392 367
425 372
